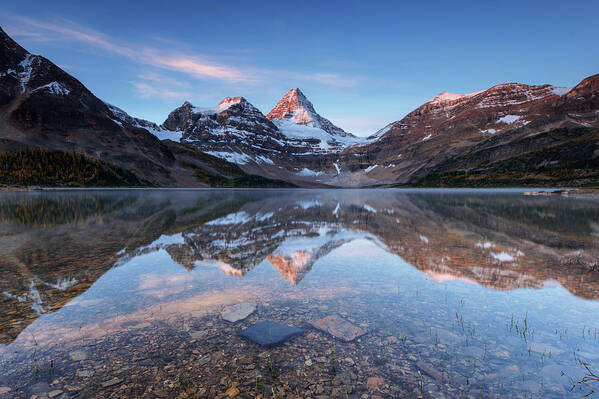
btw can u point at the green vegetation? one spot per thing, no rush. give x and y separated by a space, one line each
43 167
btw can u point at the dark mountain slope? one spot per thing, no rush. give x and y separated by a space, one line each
44 110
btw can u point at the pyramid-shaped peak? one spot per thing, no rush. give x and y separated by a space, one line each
296 92
294 107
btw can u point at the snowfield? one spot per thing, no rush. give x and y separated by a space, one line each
328 141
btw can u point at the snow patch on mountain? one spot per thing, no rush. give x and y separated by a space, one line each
164 134
447 97
309 172
378 134
27 66
225 104
327 140
509 119
560 91
55 88
159 131
502 256
235 157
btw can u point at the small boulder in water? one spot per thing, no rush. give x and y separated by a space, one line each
268 333
338 328
238 312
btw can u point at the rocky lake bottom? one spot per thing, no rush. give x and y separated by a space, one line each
389 294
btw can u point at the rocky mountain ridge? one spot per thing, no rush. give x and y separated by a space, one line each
415 149
509 134
44 110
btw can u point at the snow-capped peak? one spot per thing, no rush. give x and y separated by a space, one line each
446 97
295 107
224 105
227 102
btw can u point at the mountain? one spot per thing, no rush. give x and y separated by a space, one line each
295 115
510 134
235 130
54 131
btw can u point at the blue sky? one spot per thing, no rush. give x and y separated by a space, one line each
362 64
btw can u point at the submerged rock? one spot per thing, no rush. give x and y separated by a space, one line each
238 312
111 382
54 393
338 328
268 333
78 355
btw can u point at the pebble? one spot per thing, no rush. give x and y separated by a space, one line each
232 392
85 373
111 382
55 393
373 383
4 390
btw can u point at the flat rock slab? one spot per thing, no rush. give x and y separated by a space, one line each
338 328
78 355
110 383
238 312
268 333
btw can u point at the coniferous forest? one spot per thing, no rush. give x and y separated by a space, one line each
43 167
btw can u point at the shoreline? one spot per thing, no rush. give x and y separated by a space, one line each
579 193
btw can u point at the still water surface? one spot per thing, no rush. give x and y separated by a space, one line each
463 294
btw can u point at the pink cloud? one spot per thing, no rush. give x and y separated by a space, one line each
193 66
188 63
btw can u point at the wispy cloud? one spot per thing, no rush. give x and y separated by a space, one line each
146 90
328 79
155 85
191 64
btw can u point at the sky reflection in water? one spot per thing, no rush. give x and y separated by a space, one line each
462 292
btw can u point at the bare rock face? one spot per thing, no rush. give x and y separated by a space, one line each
238 312
338 328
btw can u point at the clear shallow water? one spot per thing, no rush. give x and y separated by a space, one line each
464 294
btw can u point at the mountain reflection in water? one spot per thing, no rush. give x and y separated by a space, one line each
104 262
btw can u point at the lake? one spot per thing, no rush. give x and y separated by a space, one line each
446 293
